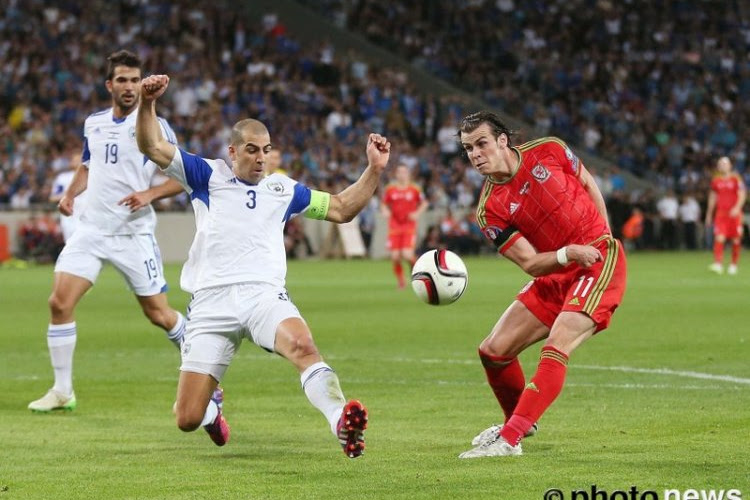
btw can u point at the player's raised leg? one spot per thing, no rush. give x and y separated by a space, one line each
61 341
347 420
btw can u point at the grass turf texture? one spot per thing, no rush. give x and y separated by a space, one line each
415 366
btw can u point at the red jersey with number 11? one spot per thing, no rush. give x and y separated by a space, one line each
544 201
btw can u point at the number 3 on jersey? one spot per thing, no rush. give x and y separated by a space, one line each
251 194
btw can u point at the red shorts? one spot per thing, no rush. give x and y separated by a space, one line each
596 291
728 227
402 238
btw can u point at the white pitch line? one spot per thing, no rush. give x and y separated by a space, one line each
627 369
667 371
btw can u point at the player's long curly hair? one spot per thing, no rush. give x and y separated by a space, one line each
471 122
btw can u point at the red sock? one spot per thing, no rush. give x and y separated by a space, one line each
718 252
538 395
735 252
398 270
506 379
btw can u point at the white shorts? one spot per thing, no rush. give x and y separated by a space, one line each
220 317
135 256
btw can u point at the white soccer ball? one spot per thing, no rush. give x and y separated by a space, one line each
439 277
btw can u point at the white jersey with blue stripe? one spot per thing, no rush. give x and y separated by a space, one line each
116 169
239 234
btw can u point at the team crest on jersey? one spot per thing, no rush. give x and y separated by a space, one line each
131 132
276 187
540 172
525 188
572 159
513 207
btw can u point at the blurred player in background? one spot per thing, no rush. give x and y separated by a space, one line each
274 163
725 202
236 269
402 204
117 226
542 209
60 185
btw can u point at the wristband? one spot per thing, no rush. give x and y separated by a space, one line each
562 256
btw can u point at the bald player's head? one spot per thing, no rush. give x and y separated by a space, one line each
247 127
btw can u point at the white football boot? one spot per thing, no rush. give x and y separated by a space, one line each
498 447
490 433
53 400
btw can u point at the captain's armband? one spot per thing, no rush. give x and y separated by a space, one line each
319 204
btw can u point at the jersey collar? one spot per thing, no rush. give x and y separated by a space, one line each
493 180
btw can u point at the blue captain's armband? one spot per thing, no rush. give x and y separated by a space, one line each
319 204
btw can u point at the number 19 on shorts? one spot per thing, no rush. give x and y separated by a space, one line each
152 270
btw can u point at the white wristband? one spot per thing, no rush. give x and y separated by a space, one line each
562 256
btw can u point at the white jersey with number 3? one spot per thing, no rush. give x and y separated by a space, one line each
116 169
239 234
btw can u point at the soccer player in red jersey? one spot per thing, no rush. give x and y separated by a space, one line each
402 204
725 202
542 209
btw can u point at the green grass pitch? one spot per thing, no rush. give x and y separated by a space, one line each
659 401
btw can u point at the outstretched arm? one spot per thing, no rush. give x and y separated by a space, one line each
348 203
147 130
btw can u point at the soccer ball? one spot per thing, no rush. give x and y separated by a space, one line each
439 277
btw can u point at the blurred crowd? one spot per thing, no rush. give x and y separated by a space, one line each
318 102
613 78
659 88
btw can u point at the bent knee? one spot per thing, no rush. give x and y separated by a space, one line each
59 304
493 349
188 421
304 346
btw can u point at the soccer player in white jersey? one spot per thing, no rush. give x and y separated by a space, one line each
236 268
117 226
59 186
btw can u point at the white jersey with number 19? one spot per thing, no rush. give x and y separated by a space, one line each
239 234
116 169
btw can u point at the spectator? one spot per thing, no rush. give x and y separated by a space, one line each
668 207
690 214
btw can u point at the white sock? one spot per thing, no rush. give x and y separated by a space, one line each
321 385
211 412
177 332
61 341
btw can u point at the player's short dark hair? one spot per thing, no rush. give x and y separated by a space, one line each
122 58
473 121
